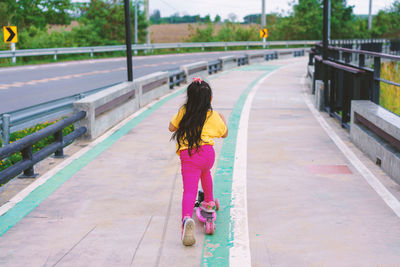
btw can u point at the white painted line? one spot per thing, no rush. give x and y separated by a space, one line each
41 180
371 179
239 254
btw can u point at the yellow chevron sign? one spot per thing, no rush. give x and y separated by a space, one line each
263 33
10 34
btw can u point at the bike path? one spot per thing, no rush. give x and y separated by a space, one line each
119 203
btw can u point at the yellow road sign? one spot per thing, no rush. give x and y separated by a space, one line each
263 33
10 34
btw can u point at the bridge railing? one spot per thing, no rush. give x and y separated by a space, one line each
25 146
348 76
30 116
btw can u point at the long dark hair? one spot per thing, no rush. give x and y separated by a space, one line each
198 103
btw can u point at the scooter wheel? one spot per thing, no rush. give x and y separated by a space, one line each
209 227
217 204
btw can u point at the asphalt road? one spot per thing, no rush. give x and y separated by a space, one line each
34 84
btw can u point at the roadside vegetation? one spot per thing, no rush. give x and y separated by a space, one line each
390 94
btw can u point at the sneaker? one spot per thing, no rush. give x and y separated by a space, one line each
208 206
188 232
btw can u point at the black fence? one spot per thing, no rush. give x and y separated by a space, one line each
176 77
25 145
214 66
347 76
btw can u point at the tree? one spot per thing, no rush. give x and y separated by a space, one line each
38 13
217 19
232 17
386 23
305 22
103 22
155 18
5 14
252 19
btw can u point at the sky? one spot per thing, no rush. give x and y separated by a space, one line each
242 8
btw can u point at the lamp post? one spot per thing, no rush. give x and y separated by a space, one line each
148 19
128 37
326 29
263 22
325 43
136 20
370 15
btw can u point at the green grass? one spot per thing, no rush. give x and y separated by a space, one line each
390 94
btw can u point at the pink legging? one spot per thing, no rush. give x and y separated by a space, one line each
193 167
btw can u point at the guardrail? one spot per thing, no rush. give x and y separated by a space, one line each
347 77
176 77
146 47
24 145
28 117
214 66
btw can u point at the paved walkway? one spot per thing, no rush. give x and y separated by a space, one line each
118 202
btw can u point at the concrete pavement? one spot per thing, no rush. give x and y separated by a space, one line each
118 204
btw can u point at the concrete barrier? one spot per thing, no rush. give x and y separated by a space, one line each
198 69
106 108
256 57
228 62
285 54
376 131
152 86
319 95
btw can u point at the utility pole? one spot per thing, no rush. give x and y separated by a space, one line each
148 20
370 15
325 43
263 22
128 36
326 29
136 20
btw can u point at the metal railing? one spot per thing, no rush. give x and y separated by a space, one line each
25 146
347 77
176 77
28 117
145 47
214 66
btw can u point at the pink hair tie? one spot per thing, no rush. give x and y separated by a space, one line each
197 80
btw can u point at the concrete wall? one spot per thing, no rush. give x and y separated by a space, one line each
152 86
228 62
198 69
370 141
106 108
256 58
319 95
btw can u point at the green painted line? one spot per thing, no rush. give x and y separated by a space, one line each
30 202
216 247
24 207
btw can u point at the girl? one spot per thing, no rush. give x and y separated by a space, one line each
195 126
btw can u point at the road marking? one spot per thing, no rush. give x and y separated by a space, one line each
31 197
69 76
371 179
78 75
230 243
